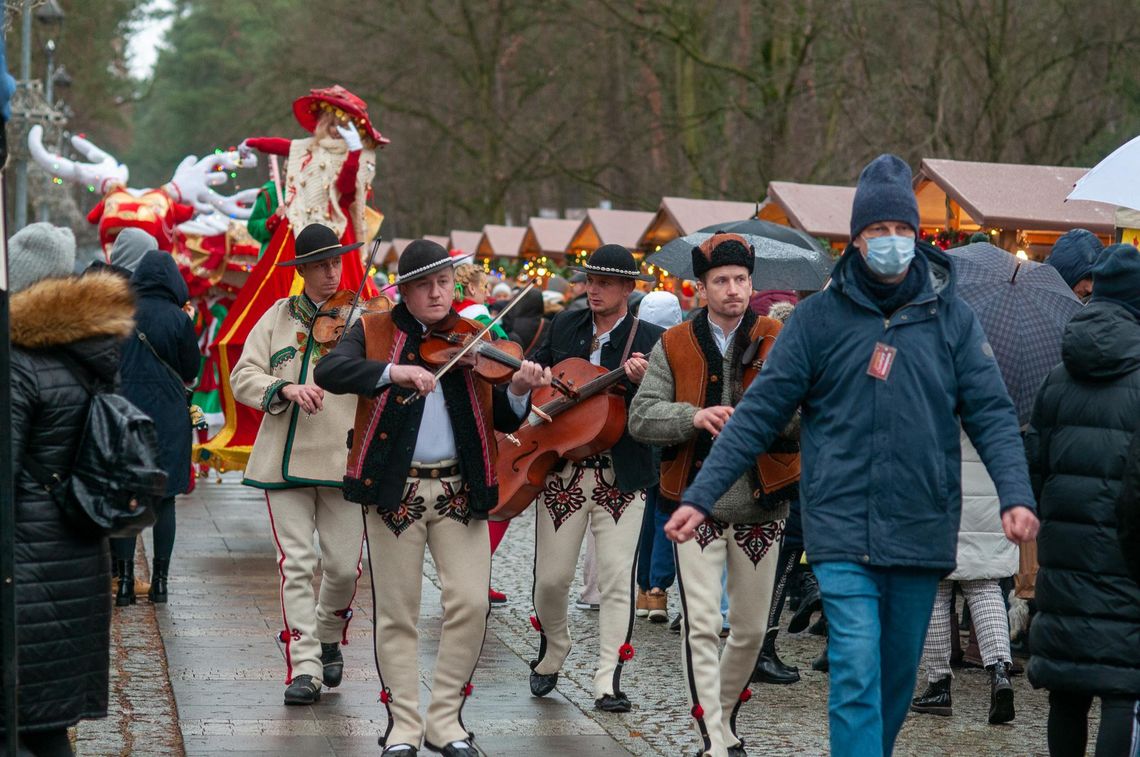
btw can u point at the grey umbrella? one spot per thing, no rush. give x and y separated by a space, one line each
779 265
760 228
1023 307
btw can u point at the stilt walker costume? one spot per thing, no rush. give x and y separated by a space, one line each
422 463
700 365
605 493
298 459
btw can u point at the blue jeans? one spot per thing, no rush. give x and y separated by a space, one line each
877 619
655 566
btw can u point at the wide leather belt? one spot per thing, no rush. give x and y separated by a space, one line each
434 471
603 462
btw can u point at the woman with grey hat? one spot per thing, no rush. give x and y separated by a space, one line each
59 325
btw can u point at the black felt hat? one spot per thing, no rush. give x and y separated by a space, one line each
420 258
613 260
317 242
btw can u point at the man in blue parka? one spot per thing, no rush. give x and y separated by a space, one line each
885 364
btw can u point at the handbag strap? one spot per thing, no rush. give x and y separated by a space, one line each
177 376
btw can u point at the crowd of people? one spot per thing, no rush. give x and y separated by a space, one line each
853 453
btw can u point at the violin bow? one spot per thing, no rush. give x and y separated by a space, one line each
472 342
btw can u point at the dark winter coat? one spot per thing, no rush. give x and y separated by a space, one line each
569 335
1128 511
63 581
526 320
881 458
149 384
1086 636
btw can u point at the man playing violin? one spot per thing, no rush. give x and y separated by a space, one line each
696 376
298 458
605 492
422 463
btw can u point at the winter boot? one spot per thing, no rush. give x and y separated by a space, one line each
333 663
935 700
821 663
812 602
158 574
770 668
1001 693
126 593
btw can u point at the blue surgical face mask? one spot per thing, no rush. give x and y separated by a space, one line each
889 256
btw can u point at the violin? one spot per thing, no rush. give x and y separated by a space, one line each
495 361
330 321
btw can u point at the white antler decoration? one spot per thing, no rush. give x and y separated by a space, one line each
193 181
102 172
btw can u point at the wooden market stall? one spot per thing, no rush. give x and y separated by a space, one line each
678 216
1021 207
464 241
822 210
499 242
603 226
548 238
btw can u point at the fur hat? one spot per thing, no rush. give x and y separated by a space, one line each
39 251
885 193
722 249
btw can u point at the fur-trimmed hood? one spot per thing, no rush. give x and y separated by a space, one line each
58 312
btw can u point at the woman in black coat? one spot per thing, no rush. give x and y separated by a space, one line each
1085 639
526 324
62 574
153 372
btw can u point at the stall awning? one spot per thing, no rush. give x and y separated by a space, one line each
500 241
548 236
1005 196
465 241
821 210
678 216
601 226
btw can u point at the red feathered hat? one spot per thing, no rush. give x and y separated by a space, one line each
342 103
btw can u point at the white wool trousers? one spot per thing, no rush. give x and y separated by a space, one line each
310 619
718 687
574 499
433 514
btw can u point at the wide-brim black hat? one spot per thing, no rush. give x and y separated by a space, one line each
420 258
315 243
613 260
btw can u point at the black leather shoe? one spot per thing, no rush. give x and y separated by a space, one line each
158 575
819 628
454 749
303 690
812 603
771 669
1001 694
617 702
935 700
126 593
396 750
737 751
333 663
541 684
821 664
675 624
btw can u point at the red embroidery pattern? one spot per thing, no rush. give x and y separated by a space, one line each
755 539
563 498
709 531
411 509
608 497
454 504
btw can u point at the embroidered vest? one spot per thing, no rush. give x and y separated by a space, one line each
698 381
384 432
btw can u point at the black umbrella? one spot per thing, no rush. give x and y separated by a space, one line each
757 228
779 264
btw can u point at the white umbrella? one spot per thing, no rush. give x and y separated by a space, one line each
1115 180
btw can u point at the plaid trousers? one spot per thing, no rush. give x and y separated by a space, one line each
988 614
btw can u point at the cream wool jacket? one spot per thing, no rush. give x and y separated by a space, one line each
292 449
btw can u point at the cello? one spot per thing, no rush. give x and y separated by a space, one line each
581 419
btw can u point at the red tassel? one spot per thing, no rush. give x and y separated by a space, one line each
534 622
385 696
698 711
625 652
745 695
468 689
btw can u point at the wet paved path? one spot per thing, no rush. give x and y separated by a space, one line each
226 670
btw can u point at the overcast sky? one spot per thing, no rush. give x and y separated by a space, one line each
145 36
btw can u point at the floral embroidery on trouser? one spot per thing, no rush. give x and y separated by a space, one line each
462 555
716 688
309 620
558 542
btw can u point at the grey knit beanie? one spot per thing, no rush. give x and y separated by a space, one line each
39 251
130 246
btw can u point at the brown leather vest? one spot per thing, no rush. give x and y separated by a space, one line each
691 376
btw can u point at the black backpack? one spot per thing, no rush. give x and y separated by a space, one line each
115 481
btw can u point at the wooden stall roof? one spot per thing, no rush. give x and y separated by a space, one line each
602 226
678 216
821 210
467 241
548 236
500 241
1006 196
386 254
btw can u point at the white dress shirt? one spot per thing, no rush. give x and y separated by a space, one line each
436 440
723 339
596 355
